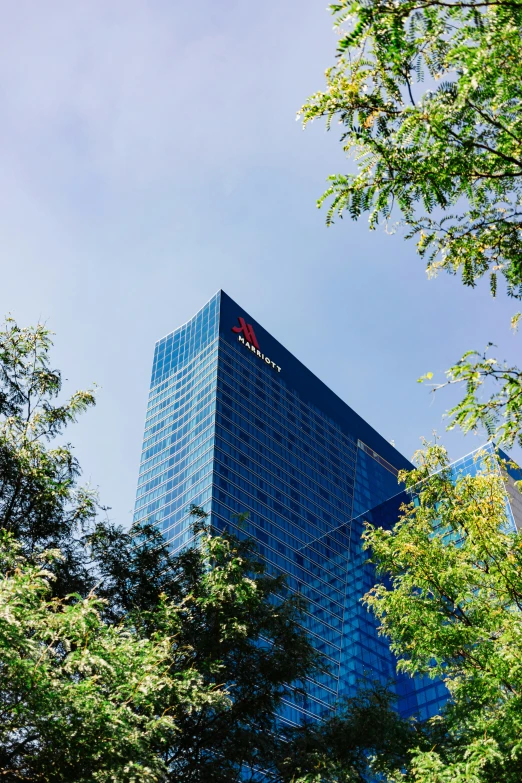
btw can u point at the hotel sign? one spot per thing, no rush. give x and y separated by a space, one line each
247 336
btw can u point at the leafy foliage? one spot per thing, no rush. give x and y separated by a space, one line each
452 608
500 413
40 502
236 634
79 699
364 739
448 155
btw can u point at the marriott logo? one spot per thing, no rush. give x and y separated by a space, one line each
247 336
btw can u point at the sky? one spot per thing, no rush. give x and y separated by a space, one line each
151 156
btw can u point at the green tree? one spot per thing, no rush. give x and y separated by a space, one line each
365 739
240 631
428 94
183 687
41 503
492 401
81 700
454 145
451 606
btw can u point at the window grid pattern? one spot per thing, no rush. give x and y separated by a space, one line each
177 454
223 431
299 476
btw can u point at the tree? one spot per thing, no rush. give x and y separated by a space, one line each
243 630
41 503
366 739
240 631
456 145
500 413
428 93
183 687
451 606
445 156
238 627
80 699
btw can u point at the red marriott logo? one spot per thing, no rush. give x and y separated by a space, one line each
248 332
247 336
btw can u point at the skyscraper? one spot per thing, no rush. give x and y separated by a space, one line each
237 424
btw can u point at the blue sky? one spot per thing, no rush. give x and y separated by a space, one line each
150 156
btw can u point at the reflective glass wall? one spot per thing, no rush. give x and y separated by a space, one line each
301 463
236 424
292 470
177 454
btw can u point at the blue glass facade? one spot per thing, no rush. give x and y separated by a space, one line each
237 424
177 459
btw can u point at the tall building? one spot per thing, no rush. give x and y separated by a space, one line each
237 424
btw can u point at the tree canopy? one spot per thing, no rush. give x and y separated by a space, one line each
428 94
451 605
80 699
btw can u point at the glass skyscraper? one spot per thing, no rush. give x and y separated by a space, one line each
237 424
